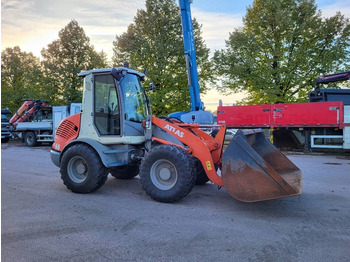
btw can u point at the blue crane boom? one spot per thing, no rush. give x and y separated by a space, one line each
190 54
197 113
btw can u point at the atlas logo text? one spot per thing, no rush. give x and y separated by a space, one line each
173 130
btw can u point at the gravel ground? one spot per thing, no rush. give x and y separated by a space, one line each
43 221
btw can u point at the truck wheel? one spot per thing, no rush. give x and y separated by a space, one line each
82 170
30 139
125 172
166 173
5 139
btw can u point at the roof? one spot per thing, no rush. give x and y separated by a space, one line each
108 70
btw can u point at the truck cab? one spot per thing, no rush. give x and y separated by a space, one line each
5 125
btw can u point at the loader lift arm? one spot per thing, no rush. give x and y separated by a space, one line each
198 143
252 169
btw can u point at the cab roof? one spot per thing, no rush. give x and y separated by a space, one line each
109 70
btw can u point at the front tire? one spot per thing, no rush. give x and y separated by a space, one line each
82 170
166 173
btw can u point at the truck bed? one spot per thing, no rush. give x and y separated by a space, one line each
321 114
42 125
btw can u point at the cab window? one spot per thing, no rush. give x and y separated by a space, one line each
135 104
106 107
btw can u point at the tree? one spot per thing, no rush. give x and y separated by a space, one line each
154 42
64 58
282 48
21 77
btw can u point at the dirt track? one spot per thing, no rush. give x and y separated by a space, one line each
43 221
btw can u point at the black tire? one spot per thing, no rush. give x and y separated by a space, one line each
82 170
201 176
30 139
166 173
125 172
5 139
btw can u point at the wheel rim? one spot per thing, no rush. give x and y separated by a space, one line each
163 174
30 139
77 169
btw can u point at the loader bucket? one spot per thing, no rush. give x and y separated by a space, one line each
255 170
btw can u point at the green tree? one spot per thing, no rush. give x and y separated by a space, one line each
154 42
281 49
21 77
64 58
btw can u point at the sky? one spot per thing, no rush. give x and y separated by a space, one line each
33 24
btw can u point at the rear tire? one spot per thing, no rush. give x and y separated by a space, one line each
166 173
82 170
125 172
30 139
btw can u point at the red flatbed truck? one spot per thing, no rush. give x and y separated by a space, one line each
321 124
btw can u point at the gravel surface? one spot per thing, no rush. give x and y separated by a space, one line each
43 221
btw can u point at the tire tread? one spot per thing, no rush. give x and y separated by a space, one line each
184 164
96 179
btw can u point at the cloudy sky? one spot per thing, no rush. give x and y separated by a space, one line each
33 24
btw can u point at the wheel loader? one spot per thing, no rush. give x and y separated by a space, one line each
116 134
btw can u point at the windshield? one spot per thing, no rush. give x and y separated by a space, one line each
135 104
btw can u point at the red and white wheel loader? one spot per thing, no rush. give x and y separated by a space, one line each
115 133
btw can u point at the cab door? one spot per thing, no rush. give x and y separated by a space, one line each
106 106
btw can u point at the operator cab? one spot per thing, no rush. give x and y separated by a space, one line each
119 104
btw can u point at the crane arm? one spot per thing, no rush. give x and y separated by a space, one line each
190 54
333 78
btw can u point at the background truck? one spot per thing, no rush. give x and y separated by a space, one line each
36 122
5 125
324 122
